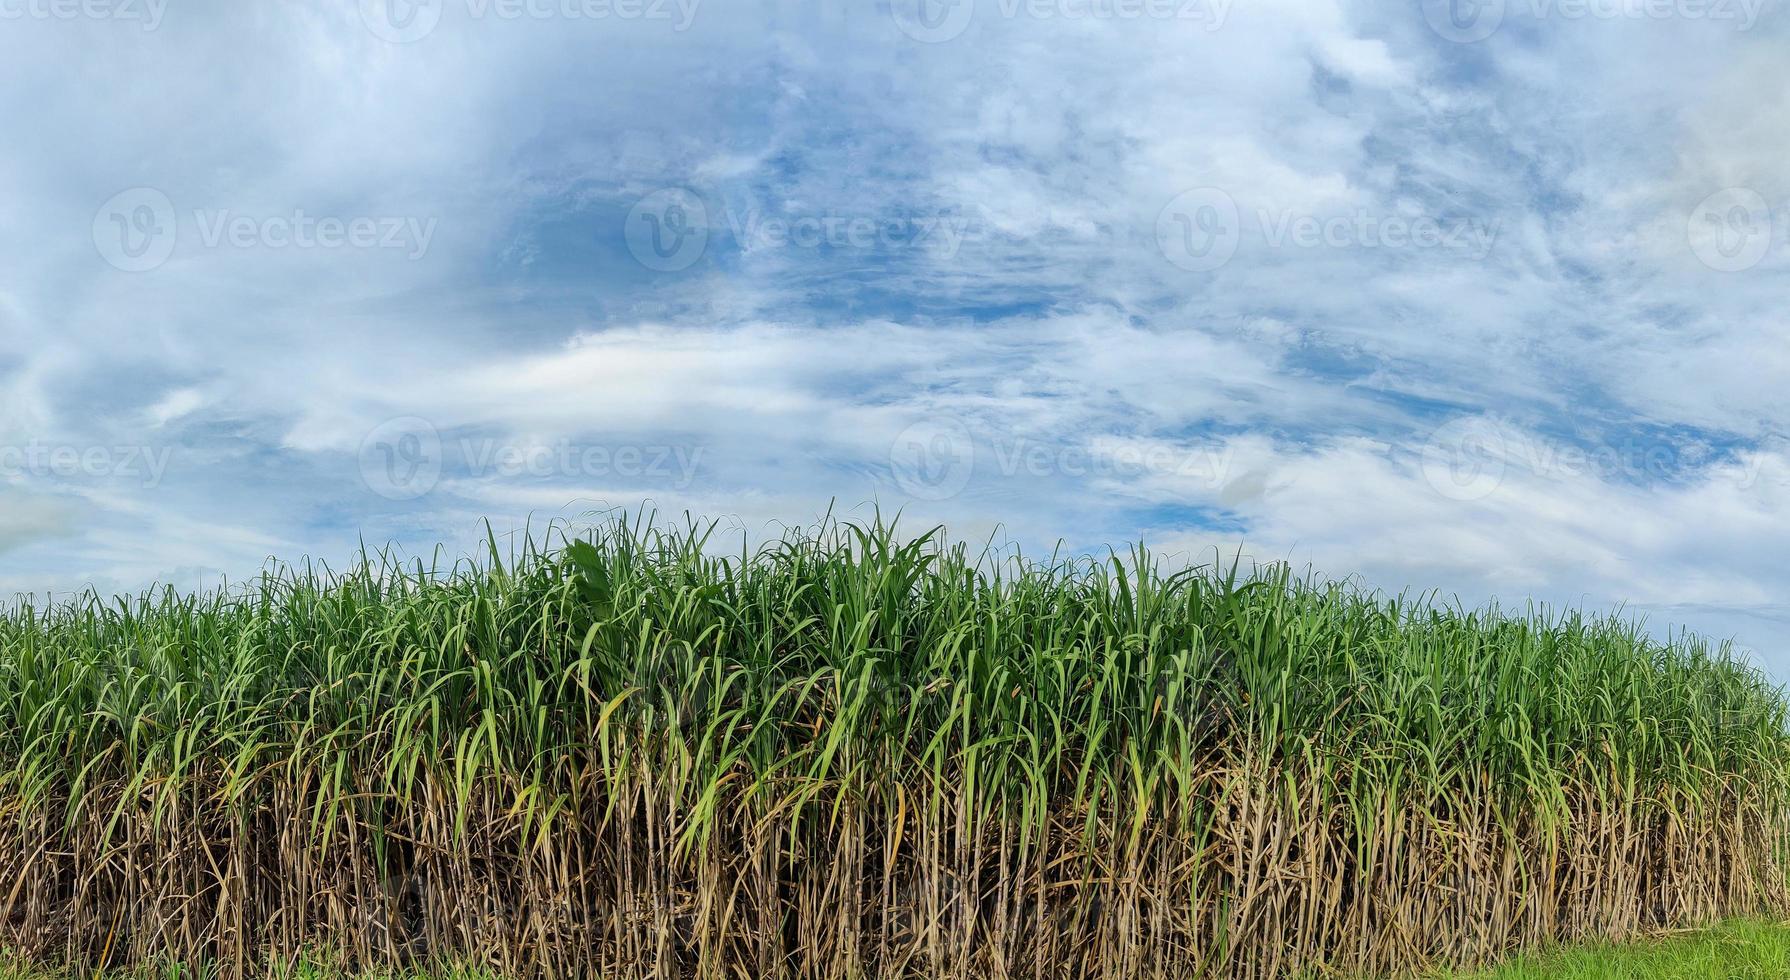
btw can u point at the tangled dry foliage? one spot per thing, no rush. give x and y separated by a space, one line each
851 753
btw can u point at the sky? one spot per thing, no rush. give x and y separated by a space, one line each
1484 297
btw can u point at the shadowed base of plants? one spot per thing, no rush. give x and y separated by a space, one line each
1735 951
854 754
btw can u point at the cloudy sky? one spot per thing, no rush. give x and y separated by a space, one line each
1487 297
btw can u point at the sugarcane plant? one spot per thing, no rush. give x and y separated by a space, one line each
642 750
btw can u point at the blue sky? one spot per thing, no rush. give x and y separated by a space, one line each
1482 297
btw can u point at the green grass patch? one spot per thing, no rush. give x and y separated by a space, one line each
1749 950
